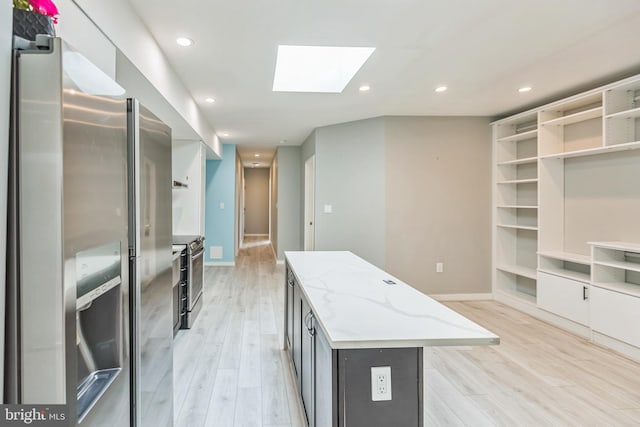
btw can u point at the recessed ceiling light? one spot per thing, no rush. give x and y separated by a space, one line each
317 68
184 41
524 89
210 100
256 155
255 164
225 134
365 88
441 88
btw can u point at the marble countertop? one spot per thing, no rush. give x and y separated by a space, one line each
357 309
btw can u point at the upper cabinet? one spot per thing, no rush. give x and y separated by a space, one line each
188 171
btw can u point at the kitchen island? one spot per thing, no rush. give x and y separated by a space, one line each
355 335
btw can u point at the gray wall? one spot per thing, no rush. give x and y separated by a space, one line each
438 209
309 146
289 170
6 25
256 201
350 176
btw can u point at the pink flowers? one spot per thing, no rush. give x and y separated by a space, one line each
43 7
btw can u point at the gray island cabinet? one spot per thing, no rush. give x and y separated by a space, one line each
355 336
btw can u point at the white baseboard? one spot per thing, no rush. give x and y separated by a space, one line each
220 263
462 297
256 235
619 346
545 316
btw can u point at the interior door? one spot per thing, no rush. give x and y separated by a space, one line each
309 203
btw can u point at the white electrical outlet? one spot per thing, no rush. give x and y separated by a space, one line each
380 383
439 267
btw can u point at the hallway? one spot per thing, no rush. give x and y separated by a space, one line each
230 370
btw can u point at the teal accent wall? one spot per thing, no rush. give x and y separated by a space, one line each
220 187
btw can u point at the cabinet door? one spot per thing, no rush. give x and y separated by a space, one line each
324 375
307 344
564 297
616 315
289 309
297 332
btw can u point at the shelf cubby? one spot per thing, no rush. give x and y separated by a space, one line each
525 194
622 113
571 126
616 266
523 161
622 98
524 218
515 285
594 151
571 266
517 140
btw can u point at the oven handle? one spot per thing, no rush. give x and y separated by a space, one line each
197 254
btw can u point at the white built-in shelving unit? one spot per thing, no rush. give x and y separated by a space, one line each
516 201
566 174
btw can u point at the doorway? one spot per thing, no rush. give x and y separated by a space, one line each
256 204
309 203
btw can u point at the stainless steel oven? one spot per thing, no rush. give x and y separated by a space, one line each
195 269
194 277
177 287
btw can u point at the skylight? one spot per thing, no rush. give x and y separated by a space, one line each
317 68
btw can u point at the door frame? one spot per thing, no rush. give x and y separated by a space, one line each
309 203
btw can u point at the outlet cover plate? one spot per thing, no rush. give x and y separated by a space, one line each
380 383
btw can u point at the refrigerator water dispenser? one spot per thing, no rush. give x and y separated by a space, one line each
98 323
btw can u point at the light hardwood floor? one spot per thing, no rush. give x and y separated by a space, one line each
230 369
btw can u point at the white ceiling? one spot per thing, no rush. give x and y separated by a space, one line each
483 50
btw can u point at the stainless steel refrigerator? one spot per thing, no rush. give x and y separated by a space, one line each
89 323
150 238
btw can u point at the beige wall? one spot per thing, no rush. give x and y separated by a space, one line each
438 202
256 201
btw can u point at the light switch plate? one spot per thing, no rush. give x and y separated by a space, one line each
328 209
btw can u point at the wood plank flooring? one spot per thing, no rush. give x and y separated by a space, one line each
230 369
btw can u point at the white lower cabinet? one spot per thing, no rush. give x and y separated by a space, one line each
616 315
564 297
